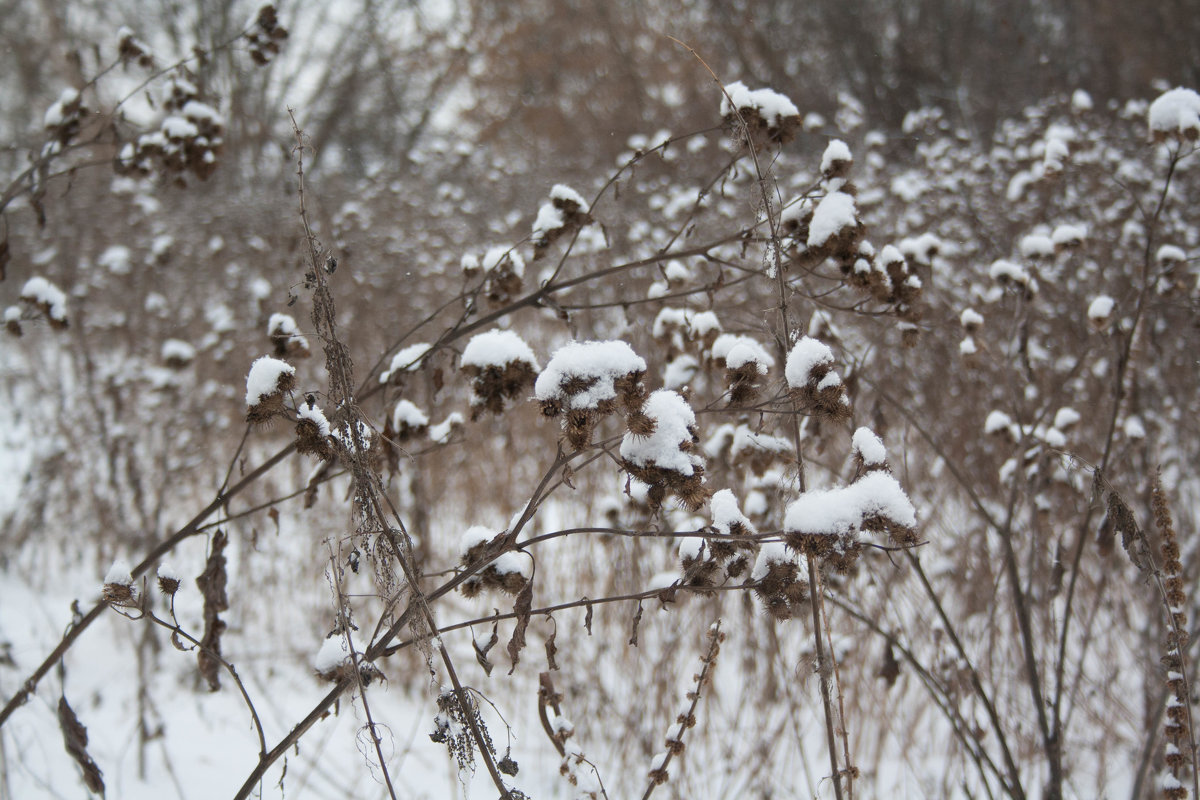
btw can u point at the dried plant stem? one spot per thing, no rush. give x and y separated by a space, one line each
191 529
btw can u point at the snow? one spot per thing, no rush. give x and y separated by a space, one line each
967 346
1055 154
770 553
175 127
334 652
513 562
970 318
725 513
600 363
119 573
441 432
563 193
1069 235
178 350
770 105
921 249
56 113
1007 270
1133 428
473 537
1066 417
167 572
672 417
842 510
702 323
314 414
407 413
806 355
746 440
549 218
1037 246
1101 308
835 213
42 292
724 344
116 258
996 422
744 353
282 325
869 447
1081 101
497 348
407 360
835 151
495 256
679 371
1176 113
1169 253
263 379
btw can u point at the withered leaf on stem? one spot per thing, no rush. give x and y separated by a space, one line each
521 608
481 652
212 584
637 620
75 738
551 647
587 618
890 669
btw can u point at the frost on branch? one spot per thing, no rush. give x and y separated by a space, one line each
1175 115
508 572
266 383
827 524
566 213
815 386
584 381
286 337
501 367
768 117
664 452
47 299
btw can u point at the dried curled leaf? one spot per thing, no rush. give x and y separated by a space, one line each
212 584
521 609
75 739
481 652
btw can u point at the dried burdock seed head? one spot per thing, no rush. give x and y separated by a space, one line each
759 118
268 380
286 338
12 321
312 431
837 160
502 367
564 214
118 585
168 579
45 298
